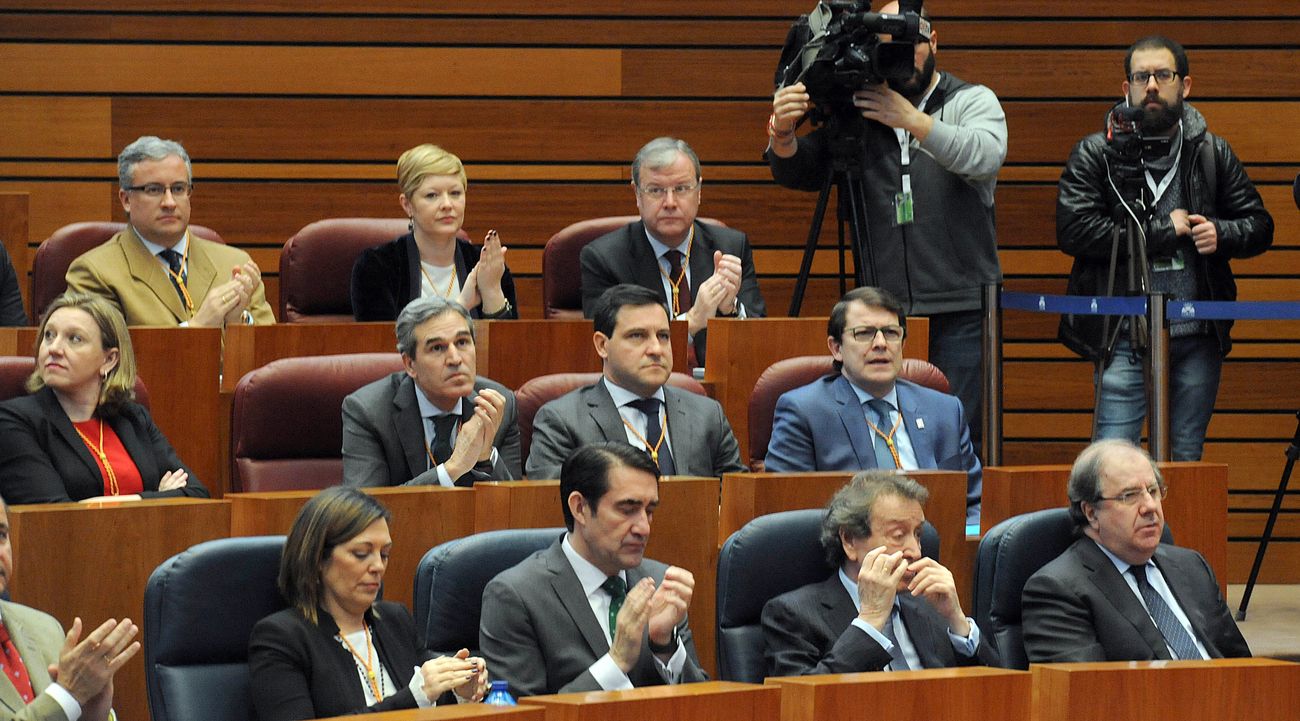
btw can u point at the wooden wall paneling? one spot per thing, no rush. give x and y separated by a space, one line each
13 233
93 561
251 347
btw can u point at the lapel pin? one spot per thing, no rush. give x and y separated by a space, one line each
920 423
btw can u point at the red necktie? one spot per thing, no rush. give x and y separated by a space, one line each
12 665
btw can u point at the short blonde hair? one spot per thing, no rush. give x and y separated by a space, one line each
422 161
118 388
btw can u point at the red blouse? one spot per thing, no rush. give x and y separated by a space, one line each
128 476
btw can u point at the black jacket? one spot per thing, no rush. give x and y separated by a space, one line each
298 671
387 277
1085 220
43 460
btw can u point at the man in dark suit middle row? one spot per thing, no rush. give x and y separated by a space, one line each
684 433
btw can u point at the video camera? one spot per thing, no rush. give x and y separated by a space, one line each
1125 139
845 53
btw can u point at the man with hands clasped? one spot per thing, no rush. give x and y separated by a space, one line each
436 422
589 612
49 675
885 607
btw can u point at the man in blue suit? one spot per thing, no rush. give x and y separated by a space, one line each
863 416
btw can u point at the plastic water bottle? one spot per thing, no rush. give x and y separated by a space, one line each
499 695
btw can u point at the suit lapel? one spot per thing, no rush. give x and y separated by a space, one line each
681 431
139 450
147 270
409 427
925 640
836 606
1176 576
701 257
1107 579
644 264
33 658
569 591
600 405
855 424
68 432
922 435
202 273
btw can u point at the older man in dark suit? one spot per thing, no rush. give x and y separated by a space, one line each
590 612
885 606
436 422
1118 594
686 434
698 271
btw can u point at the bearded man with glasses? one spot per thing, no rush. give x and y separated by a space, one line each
863 416
156 271
1202 212
699 270
1118 593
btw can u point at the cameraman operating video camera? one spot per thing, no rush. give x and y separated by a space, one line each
928 146
1199 211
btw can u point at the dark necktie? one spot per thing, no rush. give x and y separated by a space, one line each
654 432
174 261
880 409
900 661
1173 631
616 587
684 301
443 426
14 668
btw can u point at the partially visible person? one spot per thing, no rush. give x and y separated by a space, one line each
930 147
1118 593
685 434
590 612
1204 212
80 435
338 649
50 675
697 270
11 299
436 422
865 416
885 607
156 272
430 260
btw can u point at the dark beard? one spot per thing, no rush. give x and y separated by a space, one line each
1161 119
914 87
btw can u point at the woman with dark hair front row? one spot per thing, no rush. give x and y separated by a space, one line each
337 649
80 435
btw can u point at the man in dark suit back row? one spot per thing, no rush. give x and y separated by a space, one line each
684 433
885 606
696 270
1118 594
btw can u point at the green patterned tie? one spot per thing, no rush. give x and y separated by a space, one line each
616 587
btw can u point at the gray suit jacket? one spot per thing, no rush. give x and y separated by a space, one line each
383 437
698 432
38 638
537 629
808 631
1079 608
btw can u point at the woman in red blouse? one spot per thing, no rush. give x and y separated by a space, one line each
80 435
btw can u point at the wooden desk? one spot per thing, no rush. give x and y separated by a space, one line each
740 350
465 711
1259 689
423 517
945 694
1196 509
746 496
713 700
682 535
180 367
93 561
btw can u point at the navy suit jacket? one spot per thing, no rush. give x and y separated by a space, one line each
1079 608
821 427
809 631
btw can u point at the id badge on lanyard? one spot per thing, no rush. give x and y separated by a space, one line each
904 209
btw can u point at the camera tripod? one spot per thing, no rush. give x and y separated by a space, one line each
1292 453
845 174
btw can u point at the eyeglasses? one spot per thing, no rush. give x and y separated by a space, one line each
657 193
156 190
867 333
1133 495
1163 77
